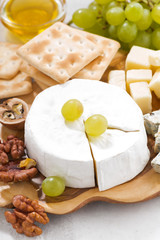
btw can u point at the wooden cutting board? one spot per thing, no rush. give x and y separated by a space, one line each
142 188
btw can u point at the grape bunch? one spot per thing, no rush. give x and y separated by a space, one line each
129 22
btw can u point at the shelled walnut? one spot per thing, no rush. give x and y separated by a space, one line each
13 113
24 215
12 159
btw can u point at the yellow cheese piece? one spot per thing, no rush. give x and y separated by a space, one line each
154 58
138 58
138 75
140 92
154 85
117 77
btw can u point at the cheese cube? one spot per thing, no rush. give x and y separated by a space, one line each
154 58
140 92
117 77
157 141
154 85
138 75
138 58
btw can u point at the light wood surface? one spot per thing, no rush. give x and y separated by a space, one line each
142 188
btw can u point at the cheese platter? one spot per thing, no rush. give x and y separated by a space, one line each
143 187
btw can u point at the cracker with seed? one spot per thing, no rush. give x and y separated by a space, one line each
19 85
36 74
9 61
97 67
59 52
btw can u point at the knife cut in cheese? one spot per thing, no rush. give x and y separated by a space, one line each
63 148
117 78
154 85
152 122
141 94
138 58
138 75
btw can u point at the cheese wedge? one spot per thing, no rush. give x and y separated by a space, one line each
152 122
117 78
138 58
156 163
155 83
62 148
141 94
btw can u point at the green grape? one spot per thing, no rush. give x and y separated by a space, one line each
112 4
96 8
84 18
154 25
134 11
53 186
146 20
156 38
112 30
115 16
156 13
99 28
103 1
72 110
143 39
96 125
127 32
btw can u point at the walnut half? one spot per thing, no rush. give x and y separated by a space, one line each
24 215
13 113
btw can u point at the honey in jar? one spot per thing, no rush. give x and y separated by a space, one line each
28 18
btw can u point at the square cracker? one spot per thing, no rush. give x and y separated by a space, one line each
36 74
19 85
97 67
9 61
59 52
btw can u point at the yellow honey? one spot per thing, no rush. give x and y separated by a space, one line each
30 17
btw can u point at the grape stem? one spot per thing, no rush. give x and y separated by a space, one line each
70 23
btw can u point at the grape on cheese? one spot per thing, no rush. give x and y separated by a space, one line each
140 92
62 148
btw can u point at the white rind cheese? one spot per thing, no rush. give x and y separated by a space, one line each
61 148
119 156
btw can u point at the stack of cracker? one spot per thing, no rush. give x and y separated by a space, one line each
61 53
12 81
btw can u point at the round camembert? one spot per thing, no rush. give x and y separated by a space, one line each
63 149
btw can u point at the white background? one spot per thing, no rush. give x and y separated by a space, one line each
98 220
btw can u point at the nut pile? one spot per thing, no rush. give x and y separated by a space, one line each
12 152
24 215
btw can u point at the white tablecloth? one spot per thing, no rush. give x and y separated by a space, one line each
98 220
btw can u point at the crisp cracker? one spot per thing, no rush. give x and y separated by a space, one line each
59 52
97 67
9 61
36 74
19 85
41 85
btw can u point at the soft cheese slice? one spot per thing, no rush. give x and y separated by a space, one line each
155 83
61 148
138 58
117 78
119 156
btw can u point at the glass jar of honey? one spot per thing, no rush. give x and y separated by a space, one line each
27 18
